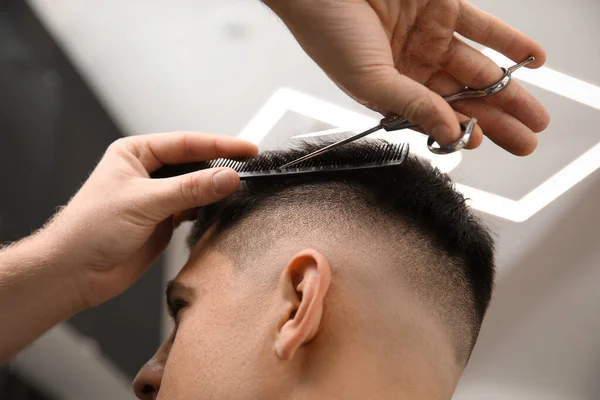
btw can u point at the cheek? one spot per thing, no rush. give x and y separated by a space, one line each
215 352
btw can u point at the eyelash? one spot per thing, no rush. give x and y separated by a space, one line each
176 307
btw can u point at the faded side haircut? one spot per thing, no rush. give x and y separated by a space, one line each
414 204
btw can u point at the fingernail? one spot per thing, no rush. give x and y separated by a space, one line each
442 134
225 181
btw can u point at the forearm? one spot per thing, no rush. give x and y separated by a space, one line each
37 291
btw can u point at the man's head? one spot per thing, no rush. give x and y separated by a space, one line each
347 284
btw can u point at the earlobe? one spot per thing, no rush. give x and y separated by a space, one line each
305 282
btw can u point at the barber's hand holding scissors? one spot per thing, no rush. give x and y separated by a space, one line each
110 232
401 56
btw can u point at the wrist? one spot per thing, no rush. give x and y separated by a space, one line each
48 264
36 292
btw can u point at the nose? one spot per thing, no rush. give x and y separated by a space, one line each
147 382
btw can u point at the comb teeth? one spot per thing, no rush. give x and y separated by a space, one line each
384 154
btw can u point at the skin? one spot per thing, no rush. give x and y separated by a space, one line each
401 55
110 232
291 326
383 53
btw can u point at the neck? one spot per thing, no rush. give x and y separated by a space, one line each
350 367
368 348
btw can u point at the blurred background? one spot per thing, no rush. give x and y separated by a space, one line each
76 75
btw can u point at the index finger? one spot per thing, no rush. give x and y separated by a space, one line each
156 150
479 26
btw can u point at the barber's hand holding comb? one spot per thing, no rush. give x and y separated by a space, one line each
121 220
110 232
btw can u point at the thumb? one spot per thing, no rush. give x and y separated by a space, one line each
196 189
400 94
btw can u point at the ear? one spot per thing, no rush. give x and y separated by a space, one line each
304 284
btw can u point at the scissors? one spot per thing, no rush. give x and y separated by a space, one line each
396 122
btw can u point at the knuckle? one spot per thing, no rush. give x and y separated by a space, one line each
117 145
484 76
192 191
121 146
418 108
185 146
489 29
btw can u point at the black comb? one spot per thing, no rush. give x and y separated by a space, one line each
381 155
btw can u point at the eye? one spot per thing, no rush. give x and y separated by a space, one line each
175 307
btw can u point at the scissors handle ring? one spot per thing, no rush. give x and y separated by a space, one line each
473 94
457 145
488 91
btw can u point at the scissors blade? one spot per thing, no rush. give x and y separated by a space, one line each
327 132
331 146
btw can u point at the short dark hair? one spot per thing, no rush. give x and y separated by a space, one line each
421 196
